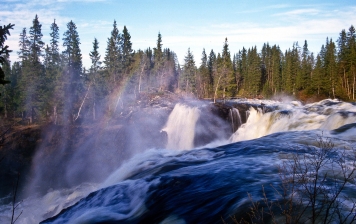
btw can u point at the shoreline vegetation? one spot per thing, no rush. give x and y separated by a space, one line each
315 188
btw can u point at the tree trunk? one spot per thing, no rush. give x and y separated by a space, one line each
216 88
80 108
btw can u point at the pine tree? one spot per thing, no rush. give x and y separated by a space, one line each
4 50
229 81
306 69
112 58
158 64
351 58
33 75
188 78
330 68
54 44
237 70
127 52
72 72
211 71
24 46
342 64
318 78
93 78
54 81
13 92
5 98
72 52
36 43
169 75
205 86
242 69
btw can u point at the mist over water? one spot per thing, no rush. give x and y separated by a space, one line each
180 127
139 182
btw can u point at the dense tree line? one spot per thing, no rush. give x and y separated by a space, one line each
47 84
331 74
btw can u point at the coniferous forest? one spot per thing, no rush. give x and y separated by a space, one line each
47 84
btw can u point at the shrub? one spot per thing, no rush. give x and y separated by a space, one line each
316 187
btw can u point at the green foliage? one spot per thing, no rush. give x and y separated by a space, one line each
127 52
112 59
4 50
188 77
49 84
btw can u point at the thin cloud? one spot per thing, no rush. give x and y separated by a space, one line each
298 12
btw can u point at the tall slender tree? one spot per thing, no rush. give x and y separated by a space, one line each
24 46
112 58
157 77
228 82
72 72
127 52
188 78
33 74
95 66
205 87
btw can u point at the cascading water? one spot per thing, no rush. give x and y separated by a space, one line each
180 127
235 119
201 185
292 117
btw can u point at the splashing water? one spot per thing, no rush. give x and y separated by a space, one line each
200 185
180 127
324 115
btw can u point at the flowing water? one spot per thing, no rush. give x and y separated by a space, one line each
181 184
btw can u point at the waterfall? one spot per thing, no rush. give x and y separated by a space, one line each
180 127
319 115
235 119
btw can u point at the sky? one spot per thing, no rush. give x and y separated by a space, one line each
183 24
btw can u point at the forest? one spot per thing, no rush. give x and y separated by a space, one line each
49 85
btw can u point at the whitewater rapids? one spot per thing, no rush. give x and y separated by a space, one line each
180 184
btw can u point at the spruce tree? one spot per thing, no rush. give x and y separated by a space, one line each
158 64
72 52
33 75
4 50
188 78
54 44
211 71
24 46
205 86
330 68
305 69
228 82
243 67
73 87
36 43
93 77
54 75
351 58
112 58
127 52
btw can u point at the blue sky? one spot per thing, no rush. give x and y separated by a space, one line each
184 24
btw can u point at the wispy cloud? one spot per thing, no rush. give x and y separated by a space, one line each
299 12
282 24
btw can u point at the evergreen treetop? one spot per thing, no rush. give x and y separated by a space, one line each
4 50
